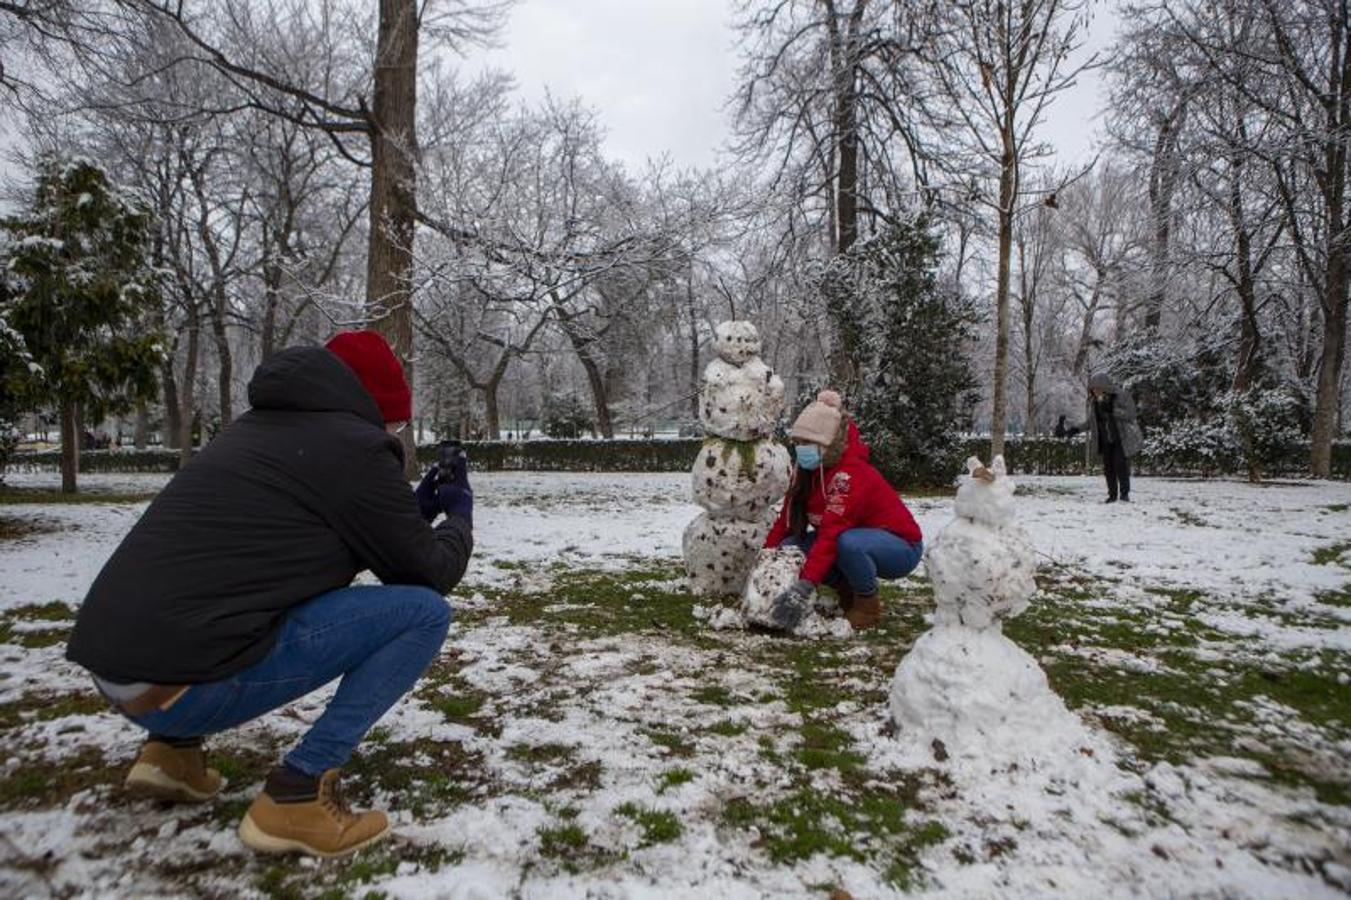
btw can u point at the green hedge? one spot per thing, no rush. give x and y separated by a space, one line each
1041 456
577 456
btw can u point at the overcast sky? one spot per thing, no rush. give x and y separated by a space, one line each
659 72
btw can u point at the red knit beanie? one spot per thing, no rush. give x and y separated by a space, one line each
367 354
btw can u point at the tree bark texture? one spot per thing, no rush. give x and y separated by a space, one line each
70 446
187 399
1008 192
393 205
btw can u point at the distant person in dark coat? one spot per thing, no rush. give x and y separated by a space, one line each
1113 434
232 594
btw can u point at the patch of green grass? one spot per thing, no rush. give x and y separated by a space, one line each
1339 597
56 611
1337 507
457 708
1195 704
827 747
570 846
342 878
1332 554
713 695
424 776
592 603
17 496
540 754
12 528
677 745
673 778
41 784
873 824
40 707
727 728
659 826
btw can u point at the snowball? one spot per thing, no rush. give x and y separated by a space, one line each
736 342
990 502
740 402
719 553
725 486
776 570
980 575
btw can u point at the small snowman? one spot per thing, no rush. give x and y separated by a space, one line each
965 687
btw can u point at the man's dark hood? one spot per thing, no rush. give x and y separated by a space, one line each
1101 382
311 379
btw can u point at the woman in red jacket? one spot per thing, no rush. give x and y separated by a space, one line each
852 525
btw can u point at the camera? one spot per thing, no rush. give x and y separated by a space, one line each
450 460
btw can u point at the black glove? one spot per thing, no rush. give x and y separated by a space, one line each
426 494
454 496
791 605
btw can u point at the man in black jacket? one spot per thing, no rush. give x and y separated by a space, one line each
232 595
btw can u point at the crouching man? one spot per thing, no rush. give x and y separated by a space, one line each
232 595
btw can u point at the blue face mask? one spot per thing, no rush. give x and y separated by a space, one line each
808 456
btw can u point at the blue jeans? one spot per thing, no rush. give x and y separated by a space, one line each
865 554
378 639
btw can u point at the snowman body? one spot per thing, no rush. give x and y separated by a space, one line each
741 472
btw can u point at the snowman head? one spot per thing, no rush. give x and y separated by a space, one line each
736 342
986 494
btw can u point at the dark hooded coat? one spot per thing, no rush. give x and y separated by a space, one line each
1117 414
295 498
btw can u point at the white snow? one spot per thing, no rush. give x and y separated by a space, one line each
1070 821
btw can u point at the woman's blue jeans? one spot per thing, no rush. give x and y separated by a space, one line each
378 639
864 555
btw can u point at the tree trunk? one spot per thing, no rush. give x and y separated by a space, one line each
188 400
1008 189
70 446
1162 181
172 405
1248 369
696 377
272 299
224 358
393 204
142 431
1333 357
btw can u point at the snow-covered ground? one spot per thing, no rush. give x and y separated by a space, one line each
568 744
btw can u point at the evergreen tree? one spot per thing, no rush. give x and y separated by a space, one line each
913 388
77 290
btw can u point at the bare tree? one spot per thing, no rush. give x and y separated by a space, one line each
999 65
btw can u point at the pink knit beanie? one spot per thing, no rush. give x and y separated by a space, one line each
820 421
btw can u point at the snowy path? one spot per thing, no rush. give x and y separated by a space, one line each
571 731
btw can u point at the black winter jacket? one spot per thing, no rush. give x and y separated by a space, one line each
293 499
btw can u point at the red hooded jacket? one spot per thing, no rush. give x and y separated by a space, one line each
850 494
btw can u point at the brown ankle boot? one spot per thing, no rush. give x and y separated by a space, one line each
864 612
177 774
322 826
844 594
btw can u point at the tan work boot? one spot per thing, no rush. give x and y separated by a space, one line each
322 826
178 774
864 612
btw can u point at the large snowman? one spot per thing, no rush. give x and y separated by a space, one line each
964 684
741 471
